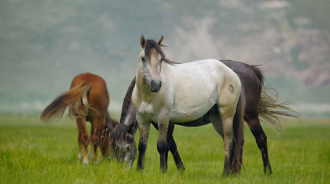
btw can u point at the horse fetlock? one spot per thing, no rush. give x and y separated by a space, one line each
162 147
142 147
180 167
86 161
268 169
79 156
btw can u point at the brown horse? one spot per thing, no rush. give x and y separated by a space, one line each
259 104
88 100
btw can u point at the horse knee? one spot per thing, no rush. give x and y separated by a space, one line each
95 140
162 146
83 139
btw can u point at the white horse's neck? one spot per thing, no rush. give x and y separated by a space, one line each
142 88
143 91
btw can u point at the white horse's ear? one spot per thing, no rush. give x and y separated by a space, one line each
142 41
160 40
160 44
163 45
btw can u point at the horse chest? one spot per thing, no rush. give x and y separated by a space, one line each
146 111
145 108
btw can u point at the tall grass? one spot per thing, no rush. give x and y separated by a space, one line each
35 152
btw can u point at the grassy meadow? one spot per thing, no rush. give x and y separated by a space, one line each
36 152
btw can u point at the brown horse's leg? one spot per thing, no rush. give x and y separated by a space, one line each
82 139
261 140
95 137
105 142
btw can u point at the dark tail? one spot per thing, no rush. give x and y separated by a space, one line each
76 99
271 111
238 125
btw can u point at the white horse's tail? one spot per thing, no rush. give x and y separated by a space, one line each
238 125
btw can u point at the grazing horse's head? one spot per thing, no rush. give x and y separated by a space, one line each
150 62
123 144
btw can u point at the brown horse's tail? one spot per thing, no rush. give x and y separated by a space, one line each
238 127
271 111
76 99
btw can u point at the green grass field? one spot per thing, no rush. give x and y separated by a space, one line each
35 152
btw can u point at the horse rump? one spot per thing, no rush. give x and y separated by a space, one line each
76 99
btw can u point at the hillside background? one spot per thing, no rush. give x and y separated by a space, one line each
45 43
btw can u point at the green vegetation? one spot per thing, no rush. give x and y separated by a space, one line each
35 152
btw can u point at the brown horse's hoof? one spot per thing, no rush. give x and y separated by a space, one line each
79 156
86 161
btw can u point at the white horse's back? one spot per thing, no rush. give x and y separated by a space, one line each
196 87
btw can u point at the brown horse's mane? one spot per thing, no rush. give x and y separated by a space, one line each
152 44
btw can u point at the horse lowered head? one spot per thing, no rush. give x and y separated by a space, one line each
150 62
123 144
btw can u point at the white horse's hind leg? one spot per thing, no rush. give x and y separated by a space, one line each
227 108
217 123
223 124
228 142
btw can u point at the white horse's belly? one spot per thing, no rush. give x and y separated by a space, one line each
187 114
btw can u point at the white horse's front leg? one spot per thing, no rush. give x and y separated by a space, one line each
163 121
144 134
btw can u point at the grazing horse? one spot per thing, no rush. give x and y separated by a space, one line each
165 91
88 100
259 103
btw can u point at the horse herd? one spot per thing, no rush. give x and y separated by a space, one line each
165 93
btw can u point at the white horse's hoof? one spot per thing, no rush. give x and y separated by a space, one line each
86 161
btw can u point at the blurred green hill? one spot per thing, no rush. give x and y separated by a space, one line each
45 43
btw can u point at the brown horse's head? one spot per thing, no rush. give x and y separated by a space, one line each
123 144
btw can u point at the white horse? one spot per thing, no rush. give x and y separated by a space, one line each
166 91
